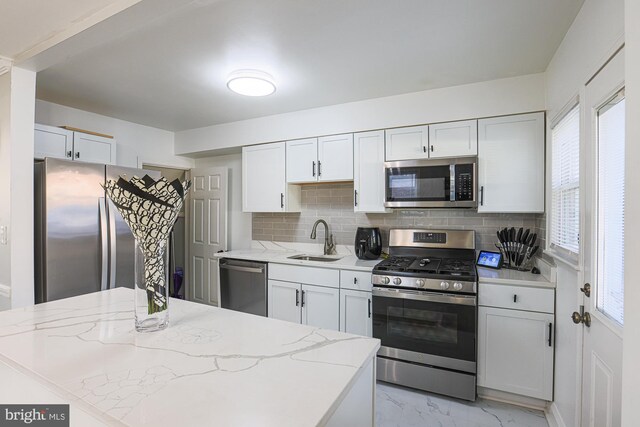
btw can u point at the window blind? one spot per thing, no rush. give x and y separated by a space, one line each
611 143
565 182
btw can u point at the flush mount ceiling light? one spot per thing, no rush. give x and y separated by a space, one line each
251 83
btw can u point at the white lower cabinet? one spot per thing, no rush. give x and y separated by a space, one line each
284 301
515 348
355 312
320 307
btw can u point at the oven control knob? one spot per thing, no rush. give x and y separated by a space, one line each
420 283
457 286
397 281
384 280
444 285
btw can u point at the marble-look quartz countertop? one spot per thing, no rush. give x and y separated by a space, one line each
277 252
210 367
513 277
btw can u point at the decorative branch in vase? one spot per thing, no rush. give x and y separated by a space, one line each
150 209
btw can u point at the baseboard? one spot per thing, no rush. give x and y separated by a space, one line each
513 399
553 416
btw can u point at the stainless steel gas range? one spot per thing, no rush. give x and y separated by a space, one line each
425 311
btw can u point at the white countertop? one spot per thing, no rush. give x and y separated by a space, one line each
513 277
346 261
210 367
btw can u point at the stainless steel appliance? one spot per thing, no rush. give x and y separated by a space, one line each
368 243
243 286
446 183
425 311
82 244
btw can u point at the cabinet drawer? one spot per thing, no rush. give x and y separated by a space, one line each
308 275
356 280
516 297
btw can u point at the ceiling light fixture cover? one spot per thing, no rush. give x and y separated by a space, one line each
251 83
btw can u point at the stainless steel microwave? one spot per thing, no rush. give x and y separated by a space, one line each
442 183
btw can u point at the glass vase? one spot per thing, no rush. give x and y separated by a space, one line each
151 290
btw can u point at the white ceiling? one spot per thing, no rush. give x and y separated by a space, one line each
27 24
170 72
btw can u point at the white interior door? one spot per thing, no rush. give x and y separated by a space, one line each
603 246
207 232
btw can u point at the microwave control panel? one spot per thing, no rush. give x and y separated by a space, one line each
464 182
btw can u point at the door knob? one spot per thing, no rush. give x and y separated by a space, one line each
586 290
582 317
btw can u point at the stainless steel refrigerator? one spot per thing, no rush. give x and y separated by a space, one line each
82 244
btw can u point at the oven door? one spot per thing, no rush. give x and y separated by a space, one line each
426 327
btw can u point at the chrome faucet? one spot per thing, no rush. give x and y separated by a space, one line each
329 245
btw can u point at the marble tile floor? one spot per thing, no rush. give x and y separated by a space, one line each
403 407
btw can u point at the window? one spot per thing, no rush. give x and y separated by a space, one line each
610 265
565 183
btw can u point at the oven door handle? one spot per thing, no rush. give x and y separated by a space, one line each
425 296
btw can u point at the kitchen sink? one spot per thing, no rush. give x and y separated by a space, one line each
321 258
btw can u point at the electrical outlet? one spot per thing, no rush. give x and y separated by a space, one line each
3 234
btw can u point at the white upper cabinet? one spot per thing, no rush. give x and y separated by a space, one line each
407 143
511 163
455 139
53 142
324 159
368 171
59 143
264 185
302 160
335 158
94 149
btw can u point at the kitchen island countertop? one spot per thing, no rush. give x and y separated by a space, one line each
209 367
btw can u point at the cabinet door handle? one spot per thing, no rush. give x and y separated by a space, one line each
319 168
355 197
432 148
369 303
302 300
314 168
69 153
77 154
297 297
424 149
482 195
515 298
550 332
282 200
355 280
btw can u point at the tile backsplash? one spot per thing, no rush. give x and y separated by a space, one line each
334 204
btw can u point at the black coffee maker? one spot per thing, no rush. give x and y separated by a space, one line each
368 244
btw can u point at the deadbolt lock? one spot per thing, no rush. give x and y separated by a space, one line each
586 290
581 317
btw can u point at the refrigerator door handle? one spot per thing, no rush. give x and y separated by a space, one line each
104 251
112 246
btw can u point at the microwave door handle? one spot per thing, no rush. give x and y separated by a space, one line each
452 183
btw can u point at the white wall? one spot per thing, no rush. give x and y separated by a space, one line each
137 144
239 223
17 95
631 350
492 98
594 35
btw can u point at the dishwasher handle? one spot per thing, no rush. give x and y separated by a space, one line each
241 268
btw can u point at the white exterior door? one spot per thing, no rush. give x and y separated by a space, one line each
355 312
407 143
284 301
207 231
603 254
94 149
320 307
511 163
302 160
263 178
368 171
335 158
453 139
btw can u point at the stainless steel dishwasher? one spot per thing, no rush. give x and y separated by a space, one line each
243 286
